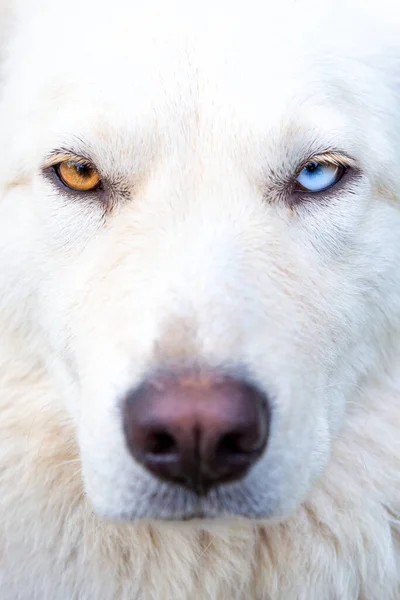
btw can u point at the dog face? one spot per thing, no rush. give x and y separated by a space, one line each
201 194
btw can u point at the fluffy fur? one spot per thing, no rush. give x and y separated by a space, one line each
198 115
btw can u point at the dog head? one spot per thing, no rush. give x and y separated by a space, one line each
200 236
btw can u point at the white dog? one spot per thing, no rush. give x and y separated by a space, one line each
199 300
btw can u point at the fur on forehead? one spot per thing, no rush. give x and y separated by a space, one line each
188 36
5 21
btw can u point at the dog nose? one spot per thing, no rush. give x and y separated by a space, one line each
198 431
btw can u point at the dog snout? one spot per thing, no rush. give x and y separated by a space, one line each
197 431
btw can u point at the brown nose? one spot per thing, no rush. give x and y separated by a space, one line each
196 430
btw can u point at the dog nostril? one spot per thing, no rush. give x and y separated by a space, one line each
236 444
229 444
161 443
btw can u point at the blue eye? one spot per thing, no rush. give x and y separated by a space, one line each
318 176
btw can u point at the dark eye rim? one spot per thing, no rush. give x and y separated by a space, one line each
342 170
56 169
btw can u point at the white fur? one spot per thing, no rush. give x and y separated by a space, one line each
195 113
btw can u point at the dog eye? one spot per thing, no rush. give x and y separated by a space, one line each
319 176
79 176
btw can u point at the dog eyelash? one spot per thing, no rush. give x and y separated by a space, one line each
58 156
328 159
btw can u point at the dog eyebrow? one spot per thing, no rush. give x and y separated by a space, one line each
78 151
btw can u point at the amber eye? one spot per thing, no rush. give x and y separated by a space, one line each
79 176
